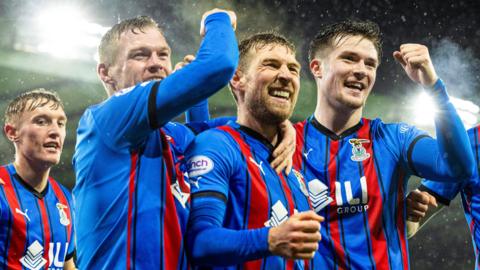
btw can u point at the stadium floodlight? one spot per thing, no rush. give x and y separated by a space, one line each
64 32
425 109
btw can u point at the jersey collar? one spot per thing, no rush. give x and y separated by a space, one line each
257 136
327 132
24 183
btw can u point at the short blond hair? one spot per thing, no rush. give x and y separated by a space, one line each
107 50
30 101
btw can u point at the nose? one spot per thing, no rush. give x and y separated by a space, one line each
54 130
155 64
360 70
284 75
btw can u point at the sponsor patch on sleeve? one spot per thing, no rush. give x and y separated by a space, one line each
199 165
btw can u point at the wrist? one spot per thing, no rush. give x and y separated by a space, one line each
438 91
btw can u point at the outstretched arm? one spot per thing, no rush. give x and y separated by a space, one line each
127 117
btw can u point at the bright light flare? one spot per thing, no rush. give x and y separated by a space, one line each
64 32
425 110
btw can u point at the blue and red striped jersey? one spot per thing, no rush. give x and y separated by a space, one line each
357 181
231 165
469 191
132 208
132 202
36 228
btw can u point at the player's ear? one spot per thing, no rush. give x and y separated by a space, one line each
11 132
102 72
316 68
237 80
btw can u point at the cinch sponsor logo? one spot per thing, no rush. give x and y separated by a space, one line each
199 165
33 258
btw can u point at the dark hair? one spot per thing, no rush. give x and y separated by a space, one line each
327 35
259 41
108 45
38 97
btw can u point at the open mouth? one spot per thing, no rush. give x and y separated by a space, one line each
280 93
355 85
155 78
52 146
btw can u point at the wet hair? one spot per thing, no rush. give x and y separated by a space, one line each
30 101
107 50
259 41
325 38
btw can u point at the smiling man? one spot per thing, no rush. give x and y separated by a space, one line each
357 169
243 214
129 187
36 226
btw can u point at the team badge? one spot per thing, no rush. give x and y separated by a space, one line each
63 216
359 153
301 182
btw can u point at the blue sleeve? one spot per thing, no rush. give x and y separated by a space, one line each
211 245
199 127
449 157
212 68
213 160
198 112
443 192
125 119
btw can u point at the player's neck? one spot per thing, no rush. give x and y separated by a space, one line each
269 131
35 175
336 120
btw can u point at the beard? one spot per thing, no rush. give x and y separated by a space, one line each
267 112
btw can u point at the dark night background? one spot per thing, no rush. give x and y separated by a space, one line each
449 28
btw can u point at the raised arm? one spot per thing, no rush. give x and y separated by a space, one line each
127 117
449 157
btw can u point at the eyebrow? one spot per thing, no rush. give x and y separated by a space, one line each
355 53
296 63
62 117
147 48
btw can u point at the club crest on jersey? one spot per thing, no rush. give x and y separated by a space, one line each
301 182
359 153
63 215
199 165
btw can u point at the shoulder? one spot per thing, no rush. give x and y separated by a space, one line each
60 190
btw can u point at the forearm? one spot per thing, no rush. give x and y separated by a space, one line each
199 127
213 67
198 112
212 245
450 157
452 138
